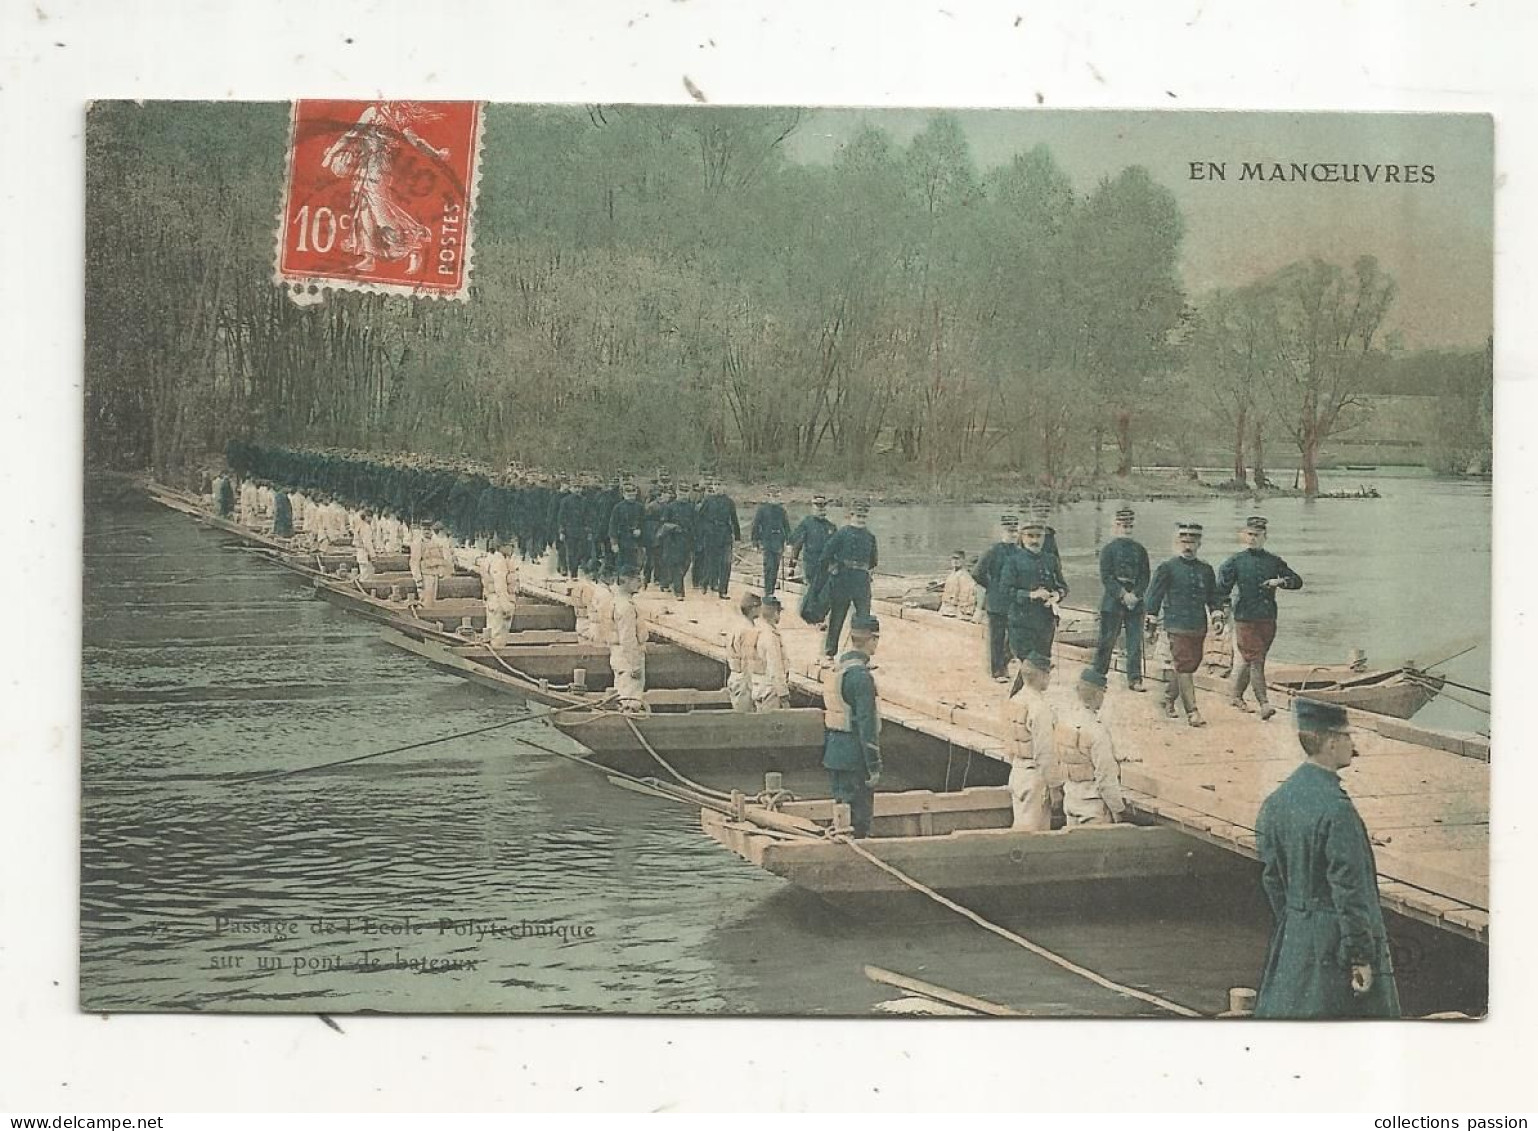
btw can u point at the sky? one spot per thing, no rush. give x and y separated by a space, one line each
1435 239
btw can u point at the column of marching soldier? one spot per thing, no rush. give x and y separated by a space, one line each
610 541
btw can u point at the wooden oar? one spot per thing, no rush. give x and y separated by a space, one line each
933 992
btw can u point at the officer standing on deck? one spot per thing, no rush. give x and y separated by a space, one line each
1033 587
1124 574
1329 953
1185 589
848 559
989 574
851 750
1258 574
771 526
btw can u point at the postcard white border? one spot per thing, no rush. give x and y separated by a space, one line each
1209 54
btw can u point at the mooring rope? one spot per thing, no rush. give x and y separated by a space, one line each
273 774
1019 940
663 762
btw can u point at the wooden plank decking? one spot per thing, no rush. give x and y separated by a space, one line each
1423 795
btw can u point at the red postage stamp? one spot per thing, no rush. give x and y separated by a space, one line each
379 197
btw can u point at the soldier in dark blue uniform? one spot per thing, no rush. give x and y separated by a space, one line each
718 529
1124 577
1329 953
571 531
651 522
1258 574
851 749
699 562
771 526
848 558
282 514
674 536
1031 580
1185 589
224 496
989 574
625 529
806 545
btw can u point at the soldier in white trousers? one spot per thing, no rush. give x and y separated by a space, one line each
741 653
499 588
627 643
771 674
1085 759
1032 723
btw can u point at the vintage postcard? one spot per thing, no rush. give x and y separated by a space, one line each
786 560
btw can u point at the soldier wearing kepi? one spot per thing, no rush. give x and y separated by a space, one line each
717 531
1329 953
988 574
499 588
809 538
771 526
807 543
1258 574
625 522
741 653
771 675
1124 575
1031 723
1185 590
851 751
958 596
1084 758
848 559
626 637
1034 587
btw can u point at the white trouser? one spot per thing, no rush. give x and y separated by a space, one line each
365 564
1031 797
740 687
629 664
1082 804
766 697
428 590
499 616
584 628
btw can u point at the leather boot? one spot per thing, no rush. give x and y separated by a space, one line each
1237 685
1259 683
1171 690
1188 700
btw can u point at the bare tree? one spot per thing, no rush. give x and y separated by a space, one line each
1327 320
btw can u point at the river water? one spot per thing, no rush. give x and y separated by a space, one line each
486 874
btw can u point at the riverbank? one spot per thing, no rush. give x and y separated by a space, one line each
1004 488
894 487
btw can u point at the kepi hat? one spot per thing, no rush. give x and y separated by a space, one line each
1314 716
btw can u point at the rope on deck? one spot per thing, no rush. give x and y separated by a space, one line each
1019 940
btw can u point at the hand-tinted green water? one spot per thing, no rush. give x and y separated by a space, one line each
484 874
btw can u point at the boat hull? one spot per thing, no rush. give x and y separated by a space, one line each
970 854
667 665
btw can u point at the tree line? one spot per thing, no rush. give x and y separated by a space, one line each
664 285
